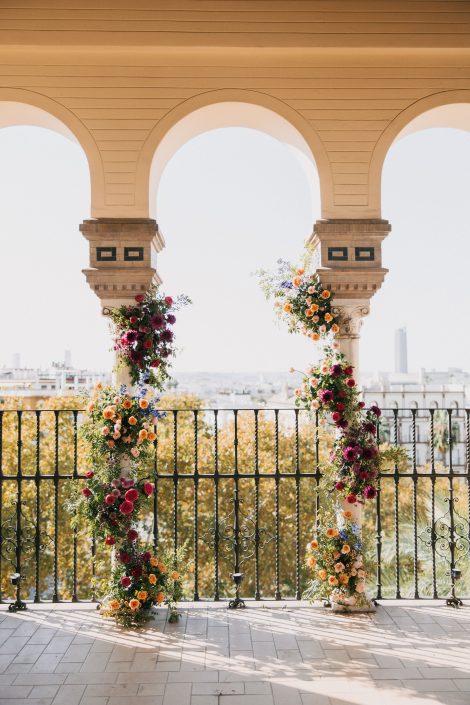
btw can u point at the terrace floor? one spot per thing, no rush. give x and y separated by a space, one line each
290 654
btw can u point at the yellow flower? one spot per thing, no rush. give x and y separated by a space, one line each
311 561
346 548
143 403
160 597
322 574
333 580
134 604
287 308
142 595
152 579
132 421
314 544
154 561
127 403
325 294
328 317
174 575
335 328
114 604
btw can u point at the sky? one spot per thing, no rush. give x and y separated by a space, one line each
232 201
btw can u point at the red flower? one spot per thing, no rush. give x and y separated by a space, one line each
361 405
148 488
124 557
155 363
136 572
351 498
109 499
350 382
110 540
342 394
348 370
168 300
340 406
131 495
89 474
339 486
133 319
336 416
139 298
148 344
86 492
126 581
126 507
132 535
375 410
146 556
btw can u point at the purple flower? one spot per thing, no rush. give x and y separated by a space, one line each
369 492
369 427
131 336
167 336
336 370
350 454
171 319
376 411
325 395
157 321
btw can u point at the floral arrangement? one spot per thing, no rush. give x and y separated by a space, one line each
110 507
300 300
119 424
331 389
143 336
140 581
334 557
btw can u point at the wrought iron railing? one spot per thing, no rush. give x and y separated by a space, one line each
242 491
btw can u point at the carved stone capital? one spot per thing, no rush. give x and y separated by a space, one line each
349 317
122 257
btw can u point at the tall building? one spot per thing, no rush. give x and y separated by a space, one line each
401 351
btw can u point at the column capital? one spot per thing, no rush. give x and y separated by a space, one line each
122 257
350 255
349 315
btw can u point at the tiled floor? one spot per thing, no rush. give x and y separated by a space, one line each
293 655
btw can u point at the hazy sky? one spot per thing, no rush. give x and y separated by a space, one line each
232 201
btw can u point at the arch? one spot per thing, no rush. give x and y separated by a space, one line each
184 122
24 107
397 126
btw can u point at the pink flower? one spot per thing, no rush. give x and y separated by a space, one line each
135 452
168 300
131 495
339 486
132 535
350 454
115 483
148 488
126 581
116 492
126 507
110 499
325 395
86 492
105 431
360 587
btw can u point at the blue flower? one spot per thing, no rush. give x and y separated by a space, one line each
343 534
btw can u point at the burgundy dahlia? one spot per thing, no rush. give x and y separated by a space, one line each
375 410
369 492
350 454
325 395
171 319
167 336
157 321
336 370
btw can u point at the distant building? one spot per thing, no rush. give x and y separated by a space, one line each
401 351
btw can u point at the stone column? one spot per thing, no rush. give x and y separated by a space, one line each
350 265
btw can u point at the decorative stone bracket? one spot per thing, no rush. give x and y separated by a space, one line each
122 257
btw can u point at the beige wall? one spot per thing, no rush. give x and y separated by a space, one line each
347 75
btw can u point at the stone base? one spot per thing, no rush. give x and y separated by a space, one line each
337 607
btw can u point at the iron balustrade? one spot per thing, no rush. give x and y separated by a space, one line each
241 490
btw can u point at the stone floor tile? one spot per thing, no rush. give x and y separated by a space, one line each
147 689
205 700
430 686
43 635
69 695
318 699
177 694
44 691
218 688
46 663
120 690
40 679
13 644
58 644
29 653
246 700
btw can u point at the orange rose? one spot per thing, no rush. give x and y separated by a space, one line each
325 294
108 413
328 317
335 328
314 336
314 544
143 403
347 514
174 575
287 308
132 421
331 533
322 574
114 604
300 271
142 595
91 406
297 281
154 561
314 308
110 444
346 548
311 561
308 313
134 604
151 436
333 580
127 403
344 579
160 597
162 568
152 579
143 434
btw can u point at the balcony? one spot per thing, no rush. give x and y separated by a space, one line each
241 490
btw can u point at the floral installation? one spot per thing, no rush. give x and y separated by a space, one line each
119 424
139 581
111 506
143 336
334 556
300 300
